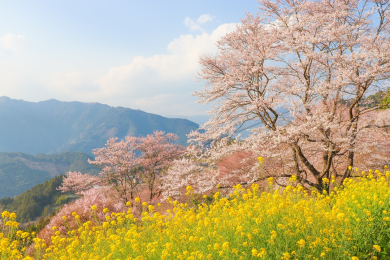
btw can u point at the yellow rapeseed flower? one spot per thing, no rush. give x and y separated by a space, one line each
254 252
246 223
5 214
286 256
301 243
225 245
325 181
293 178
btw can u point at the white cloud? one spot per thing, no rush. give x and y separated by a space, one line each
160 84
12 42
73 83
155 83
196 26
205 18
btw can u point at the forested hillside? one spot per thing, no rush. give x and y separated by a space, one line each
35 202
20 172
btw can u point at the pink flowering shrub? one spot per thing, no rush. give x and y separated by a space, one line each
78 182
65 221
124 176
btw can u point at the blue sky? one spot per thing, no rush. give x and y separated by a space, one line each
136 54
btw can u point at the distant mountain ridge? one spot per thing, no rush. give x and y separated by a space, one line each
54 126
20 172
199 119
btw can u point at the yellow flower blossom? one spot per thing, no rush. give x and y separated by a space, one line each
293 178
5 214
301 243
251 222
260 159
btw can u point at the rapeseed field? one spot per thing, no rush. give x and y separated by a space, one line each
352 222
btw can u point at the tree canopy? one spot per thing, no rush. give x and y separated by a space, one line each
305 57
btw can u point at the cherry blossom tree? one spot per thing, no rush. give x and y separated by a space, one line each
129 166
304 57
188 172
157 154
119 166
78 182
373 146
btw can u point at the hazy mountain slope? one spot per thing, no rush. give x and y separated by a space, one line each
33 202
20 172
200 119
53 126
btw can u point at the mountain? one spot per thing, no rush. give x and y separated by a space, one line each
20 172
53 126
200 119
245 128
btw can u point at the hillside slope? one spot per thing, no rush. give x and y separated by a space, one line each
20 172
33 202
53 126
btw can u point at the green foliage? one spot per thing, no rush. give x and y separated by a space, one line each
30 204
19 171
61 200
381 98
42 222
385 101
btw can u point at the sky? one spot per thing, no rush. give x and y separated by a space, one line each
135 54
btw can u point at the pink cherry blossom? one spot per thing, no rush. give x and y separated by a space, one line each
315 59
